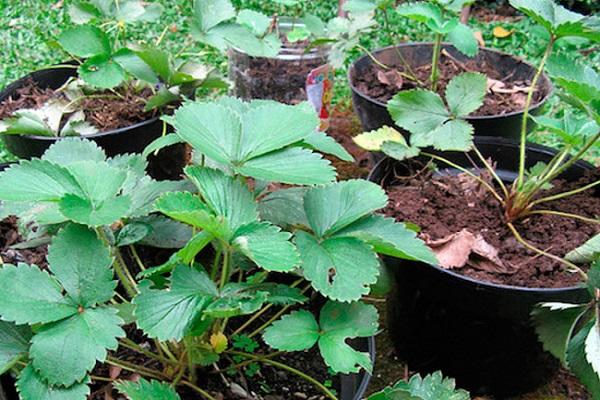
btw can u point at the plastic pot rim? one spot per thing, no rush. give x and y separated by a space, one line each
354 89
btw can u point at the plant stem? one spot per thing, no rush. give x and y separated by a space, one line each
520 239
491 170
215 266
135 368
525 119
119 268
437 49
285 367
393 40
565 194
135 347
226 267
466 171
136 257
100 378
197 389
566 215
372 57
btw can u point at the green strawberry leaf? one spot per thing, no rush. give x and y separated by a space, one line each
326 144
75 343
235 300
555 324
135 65
452 135
171 314
102 71
14 342
83 211
577 360
585 253
592 348
578 80
465 93
81 263
210 13
226 196
267 246
71 150
399 151
431 387
284 207
340 268
390 238
293 332
337 205
37 180
31 386
463 38
257 22
85 41
146 390
418 111
338 322
82 12
30 295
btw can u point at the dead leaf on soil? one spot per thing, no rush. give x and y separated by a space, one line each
391 78
465 248
496 86
501 32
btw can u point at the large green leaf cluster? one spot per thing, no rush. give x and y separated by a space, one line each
430 387
59 321
75 181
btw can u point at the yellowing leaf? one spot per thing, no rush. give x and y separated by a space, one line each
373 140
501 32
219 342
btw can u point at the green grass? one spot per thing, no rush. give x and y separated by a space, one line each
31 27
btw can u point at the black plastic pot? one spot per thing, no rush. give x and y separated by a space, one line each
281 78
353 387
373 114
478 332
168 164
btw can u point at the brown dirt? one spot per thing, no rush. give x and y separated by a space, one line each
495 103
106 114
441 207
501 13
343 126
9 236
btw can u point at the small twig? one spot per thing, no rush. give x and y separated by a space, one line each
197 389
456 61
564 214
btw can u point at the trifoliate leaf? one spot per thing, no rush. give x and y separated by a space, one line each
339 268
284 207
465 93
267 246
326 144
170 314
210 13
293 332
30 295
555 324
75 344
418 110
226 196
102 71
71 150
373 140
81 262
37 180
463 38
422 11
576 79
82 211
98 180
337 205
14 342
292 165
257 22
234 300
431 387
340 322
577 360
146 390
31 386
390 238
85 41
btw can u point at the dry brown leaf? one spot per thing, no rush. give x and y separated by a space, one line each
390 78
454 250
114 372
496 86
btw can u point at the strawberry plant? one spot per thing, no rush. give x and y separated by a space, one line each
198 313
434 122
430 387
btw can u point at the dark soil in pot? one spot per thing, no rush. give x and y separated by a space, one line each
123 125
509 78
281 78
472 323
